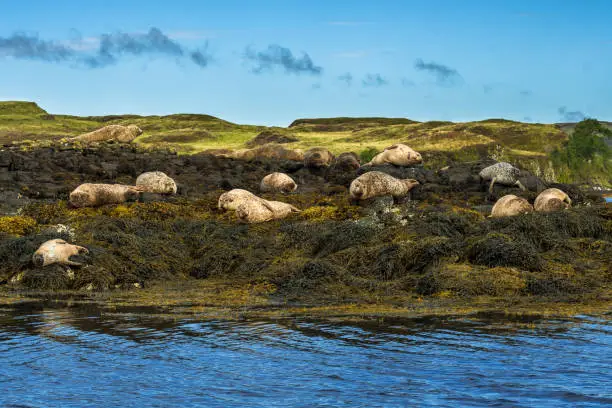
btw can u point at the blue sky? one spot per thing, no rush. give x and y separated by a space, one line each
269 62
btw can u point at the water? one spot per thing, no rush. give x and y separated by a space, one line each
63 357
608 199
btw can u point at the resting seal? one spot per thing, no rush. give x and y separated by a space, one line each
318 157
57 251
95 195
397 154
347 161
262 211
233 198
552 199
377 183
510 205
156 182
270 151
501 173
277 182
120 133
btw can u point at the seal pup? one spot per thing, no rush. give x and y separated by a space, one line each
156 182
552 199
501 173
277 182
261 211
510 205
57 251
398 154
377 183
120 133
317 157
95 195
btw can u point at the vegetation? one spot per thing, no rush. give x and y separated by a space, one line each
587 154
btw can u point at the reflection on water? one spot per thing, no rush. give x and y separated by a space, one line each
53 356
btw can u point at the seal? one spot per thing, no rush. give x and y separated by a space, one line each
347 161
510 205
230 200
317 157
398 154
120 133
156 182
377 183
269 151
501 173
57 251
277 182
552 199
261 211
95 195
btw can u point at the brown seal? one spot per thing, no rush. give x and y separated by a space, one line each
156 182
318 157
269 151
397 154
277 182
552 199
261 211
377 183
347 161
120 133
510 205
57 251
95 195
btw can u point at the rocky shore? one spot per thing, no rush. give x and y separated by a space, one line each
437 244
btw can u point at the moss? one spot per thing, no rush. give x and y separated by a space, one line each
17 225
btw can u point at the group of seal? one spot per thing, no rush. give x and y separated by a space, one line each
549 200
250 208
98 194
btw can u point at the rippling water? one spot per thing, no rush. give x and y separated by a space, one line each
51 356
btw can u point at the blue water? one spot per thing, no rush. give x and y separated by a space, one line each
65 357
608 199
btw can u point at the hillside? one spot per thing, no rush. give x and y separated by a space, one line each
526 144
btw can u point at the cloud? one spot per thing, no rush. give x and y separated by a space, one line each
275 55
570 116
346 78
525 93
444 74
315 86
374 80
99 52
527 119
487 89
30 47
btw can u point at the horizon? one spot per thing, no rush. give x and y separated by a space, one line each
271 63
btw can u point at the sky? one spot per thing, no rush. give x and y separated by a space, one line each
269 62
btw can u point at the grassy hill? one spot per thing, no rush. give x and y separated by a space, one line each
526 144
